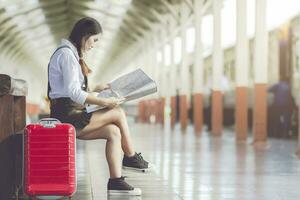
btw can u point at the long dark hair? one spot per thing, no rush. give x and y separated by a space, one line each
84 28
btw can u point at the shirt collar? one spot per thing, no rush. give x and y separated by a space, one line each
73 48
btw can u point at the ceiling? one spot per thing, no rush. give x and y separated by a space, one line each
30 30
35 27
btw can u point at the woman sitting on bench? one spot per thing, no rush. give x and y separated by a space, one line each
68 93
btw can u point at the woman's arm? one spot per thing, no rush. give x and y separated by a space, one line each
108 102
71 69
100 87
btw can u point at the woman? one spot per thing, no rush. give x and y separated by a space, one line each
68 93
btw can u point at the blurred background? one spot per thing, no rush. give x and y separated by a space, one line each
227 68
145 34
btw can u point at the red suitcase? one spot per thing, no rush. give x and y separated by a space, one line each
49 159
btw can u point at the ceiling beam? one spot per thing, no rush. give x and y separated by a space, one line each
88 6
139 31
133 14
134 37
173 10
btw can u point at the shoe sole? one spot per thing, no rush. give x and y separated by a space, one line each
137 169
124 193
149 169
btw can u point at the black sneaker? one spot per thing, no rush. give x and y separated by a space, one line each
118 186
136 162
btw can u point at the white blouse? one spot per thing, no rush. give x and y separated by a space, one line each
65 75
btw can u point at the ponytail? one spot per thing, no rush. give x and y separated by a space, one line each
84 28
84 68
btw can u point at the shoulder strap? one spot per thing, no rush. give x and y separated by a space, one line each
49 88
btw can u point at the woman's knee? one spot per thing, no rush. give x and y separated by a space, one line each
114 133
120 113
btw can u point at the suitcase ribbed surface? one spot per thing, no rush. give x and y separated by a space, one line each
49 163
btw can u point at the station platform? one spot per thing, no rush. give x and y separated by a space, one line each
220 63
190 166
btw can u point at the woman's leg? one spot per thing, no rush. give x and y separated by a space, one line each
122 123
108 116
100 126
113 146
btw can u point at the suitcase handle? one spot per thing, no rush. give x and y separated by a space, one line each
49 122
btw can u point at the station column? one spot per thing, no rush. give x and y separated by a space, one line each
260 74
242 68
198 69
173 77
163 79
184 82
156 77
217 95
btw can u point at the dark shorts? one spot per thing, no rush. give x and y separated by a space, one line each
67 111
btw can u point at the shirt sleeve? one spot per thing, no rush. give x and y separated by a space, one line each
71 69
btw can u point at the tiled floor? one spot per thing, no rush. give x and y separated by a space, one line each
196 167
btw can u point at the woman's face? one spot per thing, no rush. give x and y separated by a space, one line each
89 43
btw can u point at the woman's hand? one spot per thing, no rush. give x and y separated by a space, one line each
106 102
113 102
101 87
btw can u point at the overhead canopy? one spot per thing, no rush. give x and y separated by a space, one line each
31 29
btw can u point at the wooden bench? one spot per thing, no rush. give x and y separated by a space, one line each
12 122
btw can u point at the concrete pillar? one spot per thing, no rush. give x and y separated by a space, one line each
184 72
217 95
156 77
142 103
141 110
296 31
198 69
147 63
152 58
162 100
285 52
173 78
152 63
242 68
260 73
